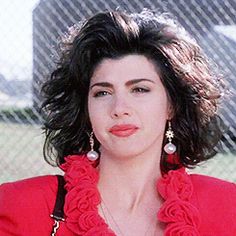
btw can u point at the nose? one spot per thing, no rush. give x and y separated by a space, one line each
120 107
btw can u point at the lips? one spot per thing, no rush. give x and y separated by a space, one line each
123 130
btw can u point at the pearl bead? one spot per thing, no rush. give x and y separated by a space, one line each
92 155
170 148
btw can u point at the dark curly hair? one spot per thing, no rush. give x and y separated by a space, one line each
187 75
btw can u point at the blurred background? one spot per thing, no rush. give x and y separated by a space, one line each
30 32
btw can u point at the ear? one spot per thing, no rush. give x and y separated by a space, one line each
170 112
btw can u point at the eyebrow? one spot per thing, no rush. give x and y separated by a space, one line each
128 83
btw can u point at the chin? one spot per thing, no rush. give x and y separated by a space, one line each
126 154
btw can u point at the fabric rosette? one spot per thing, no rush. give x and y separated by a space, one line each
101 230
176 210
78 170
181 229
82 198
182 218
176 183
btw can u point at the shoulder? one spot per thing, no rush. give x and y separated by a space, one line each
214 193
216 201
30 189
24 203
214 187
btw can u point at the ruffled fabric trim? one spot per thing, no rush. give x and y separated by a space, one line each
82 200
182 217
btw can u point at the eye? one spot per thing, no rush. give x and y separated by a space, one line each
140 90
100 94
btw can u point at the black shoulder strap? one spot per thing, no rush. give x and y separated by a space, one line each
58 213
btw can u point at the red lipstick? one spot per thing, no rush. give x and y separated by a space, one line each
123 130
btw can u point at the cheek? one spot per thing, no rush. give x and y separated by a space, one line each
155 120
159 109
97 118
93 116
92 112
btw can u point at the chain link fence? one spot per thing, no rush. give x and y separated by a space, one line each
213 24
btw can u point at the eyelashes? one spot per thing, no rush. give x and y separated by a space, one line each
100 94
138 90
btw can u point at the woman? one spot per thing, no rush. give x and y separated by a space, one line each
132 102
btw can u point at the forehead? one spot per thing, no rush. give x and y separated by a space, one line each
125 68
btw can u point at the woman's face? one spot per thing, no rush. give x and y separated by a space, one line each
128 106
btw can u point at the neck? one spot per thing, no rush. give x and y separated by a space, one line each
131 182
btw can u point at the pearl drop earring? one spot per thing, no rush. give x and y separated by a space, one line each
169 148
92 155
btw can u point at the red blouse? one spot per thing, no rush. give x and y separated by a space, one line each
194 205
